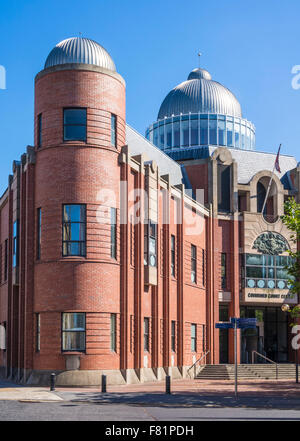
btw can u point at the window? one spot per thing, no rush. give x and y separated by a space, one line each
16 244
38 332
193 264
224 188
73 332
193 337
213 132
223 270
173 336
113 233
3 336
173 256
39 130
39 233
146 334
203 267
267 271
113 332
113 127
74 230
6 260
150 248
74 124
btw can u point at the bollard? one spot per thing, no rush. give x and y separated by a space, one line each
52 382
103 384
168 384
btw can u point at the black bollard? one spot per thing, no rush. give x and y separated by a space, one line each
103 384
52 382
168 384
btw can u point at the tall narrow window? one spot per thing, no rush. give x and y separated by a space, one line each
16 244
150 244
113 128
74 124
193 264
6 260
113 233
203 267
224 188
173 256
146 334
173 336
39 130
3 336
39 233
193 337
74 230
38 332
113 333
224 270
73 332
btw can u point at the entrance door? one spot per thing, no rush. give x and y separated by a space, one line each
223 346
272 338
276 335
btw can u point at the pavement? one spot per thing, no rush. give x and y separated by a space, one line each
185 393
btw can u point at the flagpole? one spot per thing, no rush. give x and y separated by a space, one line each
270 183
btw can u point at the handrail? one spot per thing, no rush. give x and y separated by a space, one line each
266 358
197 361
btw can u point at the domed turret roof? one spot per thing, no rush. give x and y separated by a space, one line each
80 50
200 94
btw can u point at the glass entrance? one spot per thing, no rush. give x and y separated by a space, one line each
270 337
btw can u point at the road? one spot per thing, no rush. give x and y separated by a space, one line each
70 411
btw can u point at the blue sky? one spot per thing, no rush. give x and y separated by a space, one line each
250 47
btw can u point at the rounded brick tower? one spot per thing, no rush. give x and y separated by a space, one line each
79 132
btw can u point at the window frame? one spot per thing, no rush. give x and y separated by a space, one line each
38 332
75 241
74 125
113 130
72 330
113 233
194 338
39 233
173 255
224 271
6 260
146 334
173 336
113 332
39 130
16 243
194 263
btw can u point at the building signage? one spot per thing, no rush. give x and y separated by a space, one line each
268 297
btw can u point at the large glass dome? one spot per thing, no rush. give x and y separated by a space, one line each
201 112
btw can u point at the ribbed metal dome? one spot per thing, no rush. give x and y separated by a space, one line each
200 94
80 50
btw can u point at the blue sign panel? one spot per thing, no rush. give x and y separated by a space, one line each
241 323
224 326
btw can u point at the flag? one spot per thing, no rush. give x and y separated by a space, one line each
277 165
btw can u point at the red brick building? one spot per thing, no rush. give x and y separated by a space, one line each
119 254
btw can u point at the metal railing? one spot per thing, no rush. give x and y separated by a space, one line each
267 359
195 364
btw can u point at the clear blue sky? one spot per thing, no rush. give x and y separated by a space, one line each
250 47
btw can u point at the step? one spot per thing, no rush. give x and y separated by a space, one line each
247 371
